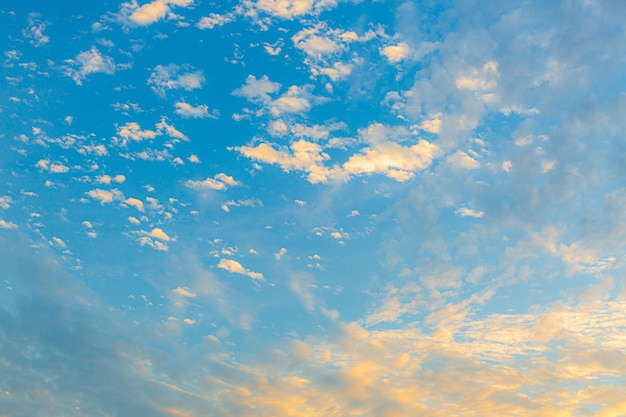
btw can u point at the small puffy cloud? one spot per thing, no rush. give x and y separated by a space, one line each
58 243
184 292
154 244
151 12
483 79
58 168
214 19
105 196
382 155
315 42
395 53
53 167
288 9
174 77
187 110
467 212
219 182
301 156
138 204
159 234
7 225
89 62
194 159
295 100
170 130
5 202
257 90
250 202
133 131
463 160
278 255
236 268
34 32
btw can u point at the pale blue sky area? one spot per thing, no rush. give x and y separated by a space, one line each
313 208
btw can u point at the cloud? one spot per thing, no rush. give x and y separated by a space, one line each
7 225
159 234
287 9
5 202
132 131
236 268
138 204
257 90
150 12
184 292
105 196
301 156
34 32
89 62
467 212
463 160
187 110
381 156
214 19
53 167
219 182
395 53
175 77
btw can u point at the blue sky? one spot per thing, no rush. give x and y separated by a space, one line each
312 208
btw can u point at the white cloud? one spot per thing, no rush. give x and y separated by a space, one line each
395 53
159 234
53 167
34 32
467 212
381 156
287 9
7 225
138 204
154 244
317 42
5 202
278 255
220 182
184 292
132 131
105 196
89 62
236 268
187 110
174 77
150 12
214 19
257 90
483 79
295 100
463 160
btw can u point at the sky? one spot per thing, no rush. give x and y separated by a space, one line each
313 208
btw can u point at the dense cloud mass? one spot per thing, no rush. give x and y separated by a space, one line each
313 208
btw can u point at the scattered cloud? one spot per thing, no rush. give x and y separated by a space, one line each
105 196
89 62
197 112
219 182
174 77
236 268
